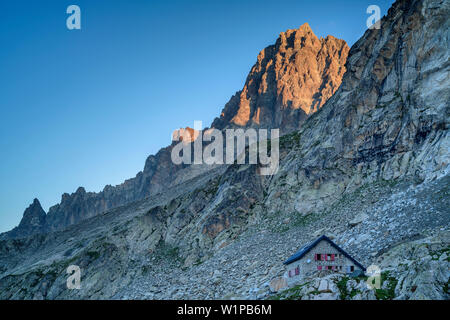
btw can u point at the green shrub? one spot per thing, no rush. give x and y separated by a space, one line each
389 292
294 293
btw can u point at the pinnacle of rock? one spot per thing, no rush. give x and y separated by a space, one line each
33 217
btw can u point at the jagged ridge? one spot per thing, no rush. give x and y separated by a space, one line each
370 152
289 81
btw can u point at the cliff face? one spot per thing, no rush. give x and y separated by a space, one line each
33 221
389 118
370 168
290 80
388 122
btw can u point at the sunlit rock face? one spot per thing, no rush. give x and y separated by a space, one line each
290 80
33 221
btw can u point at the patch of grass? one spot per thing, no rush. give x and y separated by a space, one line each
93 255
38 274
282 228
212 188
297 220
443 194
436 255
399 96
389 292
145 269
293 293
53 273
289 140
301 221
342 286
198 262
315 292
168 253
389 183
23 291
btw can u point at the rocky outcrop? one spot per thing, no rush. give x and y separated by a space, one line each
291 79
33 221
421 268
278 284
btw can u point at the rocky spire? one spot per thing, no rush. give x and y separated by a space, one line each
290 80
33 221
33 217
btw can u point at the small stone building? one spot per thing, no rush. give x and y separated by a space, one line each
319 255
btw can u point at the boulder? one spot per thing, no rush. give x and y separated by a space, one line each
358 219
278 284
323 285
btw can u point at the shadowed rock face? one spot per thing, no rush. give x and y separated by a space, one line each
289 81
33 218
33 221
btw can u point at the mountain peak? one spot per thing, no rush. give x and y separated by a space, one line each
33 218
290 80
81 190
305 27
35 205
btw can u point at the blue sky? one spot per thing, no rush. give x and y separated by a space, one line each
86 107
